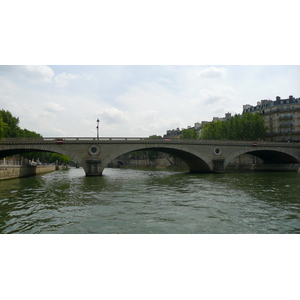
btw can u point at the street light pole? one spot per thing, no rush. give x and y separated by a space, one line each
98 129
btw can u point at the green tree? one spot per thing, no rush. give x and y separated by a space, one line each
213 130
155 136
189 134
28 133
11 124
60 157
252 127
239 127
1 129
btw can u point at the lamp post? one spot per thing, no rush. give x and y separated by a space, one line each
98 129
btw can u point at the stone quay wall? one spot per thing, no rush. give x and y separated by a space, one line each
9 172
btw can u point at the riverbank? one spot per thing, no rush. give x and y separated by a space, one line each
10 172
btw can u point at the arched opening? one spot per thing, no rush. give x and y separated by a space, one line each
194 163
39 156
262 160
274 157
152 159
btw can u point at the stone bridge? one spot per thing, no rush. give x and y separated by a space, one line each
93 154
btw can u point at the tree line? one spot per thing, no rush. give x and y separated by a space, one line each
244 127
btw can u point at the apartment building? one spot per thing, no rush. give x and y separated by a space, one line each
282 117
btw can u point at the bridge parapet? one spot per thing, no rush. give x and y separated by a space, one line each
147 140
68 139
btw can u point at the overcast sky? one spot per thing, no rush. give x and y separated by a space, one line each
135 100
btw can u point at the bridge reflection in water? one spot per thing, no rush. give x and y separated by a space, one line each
94 154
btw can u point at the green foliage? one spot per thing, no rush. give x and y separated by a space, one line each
1 128
189 134
155 136
60 157
213 130
152 155
10 126
28 134
239 127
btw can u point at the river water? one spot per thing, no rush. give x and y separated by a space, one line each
134 201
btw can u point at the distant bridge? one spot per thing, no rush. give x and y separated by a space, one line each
93 154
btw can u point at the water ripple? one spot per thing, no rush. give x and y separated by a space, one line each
132 201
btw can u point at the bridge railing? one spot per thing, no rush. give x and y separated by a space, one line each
61 140
71 139
93 138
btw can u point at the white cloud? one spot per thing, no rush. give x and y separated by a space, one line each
167 123
112 115
211 72
148 114
7 91
63 79
39 73
53 107
147 96
213 96
34 74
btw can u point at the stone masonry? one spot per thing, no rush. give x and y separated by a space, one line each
94 155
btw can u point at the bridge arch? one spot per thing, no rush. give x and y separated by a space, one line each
269 156
14 150
196 162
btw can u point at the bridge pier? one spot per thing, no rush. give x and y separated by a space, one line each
218 165
94 168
